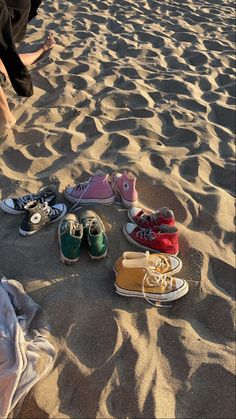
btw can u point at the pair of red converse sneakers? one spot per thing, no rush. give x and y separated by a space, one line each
153 231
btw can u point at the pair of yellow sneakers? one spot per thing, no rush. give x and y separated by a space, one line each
149 276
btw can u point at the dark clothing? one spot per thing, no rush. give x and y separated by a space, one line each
21 12
33 8
14 16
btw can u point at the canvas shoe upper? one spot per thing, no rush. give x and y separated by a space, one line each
70 233
38 215
96 189
17 205
146 218
94 234
124 186
161 239
143 282
161 263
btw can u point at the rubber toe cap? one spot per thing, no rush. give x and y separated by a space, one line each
130 227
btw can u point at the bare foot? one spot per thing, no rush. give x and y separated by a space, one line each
7 122
12 121
32 57
49 42
4 127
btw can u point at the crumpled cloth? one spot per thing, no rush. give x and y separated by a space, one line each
26 355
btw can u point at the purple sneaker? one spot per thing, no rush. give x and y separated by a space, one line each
124 186
96 190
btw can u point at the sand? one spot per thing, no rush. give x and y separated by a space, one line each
145 86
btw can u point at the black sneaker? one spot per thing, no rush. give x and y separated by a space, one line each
17 205
38 215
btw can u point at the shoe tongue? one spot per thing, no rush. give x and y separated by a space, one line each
134 263
130 175
94 228
146 217
167 213
74 229
31 205
100 173
165 228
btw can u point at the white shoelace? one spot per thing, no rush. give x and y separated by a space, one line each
154 279
153 217
146 234
84 186
49 210
158 262
150 217
68 223
93 226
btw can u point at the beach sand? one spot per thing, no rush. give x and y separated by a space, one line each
145 86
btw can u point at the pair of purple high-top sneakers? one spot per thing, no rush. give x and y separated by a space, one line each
103 189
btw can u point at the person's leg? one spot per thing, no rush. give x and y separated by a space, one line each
7 120
32 57
3 70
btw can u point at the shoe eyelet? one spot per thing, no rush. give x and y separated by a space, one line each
126 186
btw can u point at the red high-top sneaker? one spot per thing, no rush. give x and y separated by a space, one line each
149 219
162 239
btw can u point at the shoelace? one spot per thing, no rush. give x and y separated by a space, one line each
150 217
22 201
94 227
156 279
159 262
92 224
68 223
84 186
51 212
146 234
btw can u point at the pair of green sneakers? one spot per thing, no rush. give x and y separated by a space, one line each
88 228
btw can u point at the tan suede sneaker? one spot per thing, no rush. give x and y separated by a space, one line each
133 281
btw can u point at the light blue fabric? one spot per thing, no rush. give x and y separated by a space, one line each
26 354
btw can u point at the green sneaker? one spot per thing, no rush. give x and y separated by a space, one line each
94 234
70 234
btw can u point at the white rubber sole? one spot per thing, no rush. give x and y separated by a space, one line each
132 241
66 261
105 201
131 218
98 257
9 210
170 296
30 233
